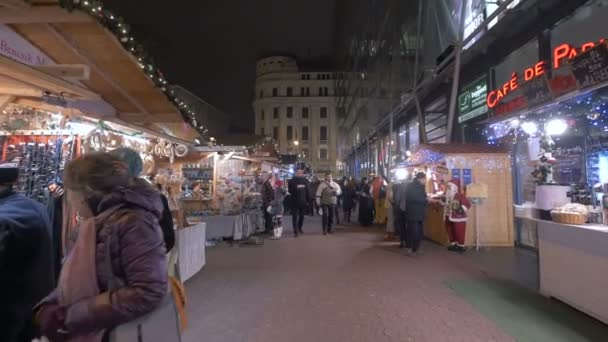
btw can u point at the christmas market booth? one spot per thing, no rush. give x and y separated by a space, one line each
60 98
220 186
485 177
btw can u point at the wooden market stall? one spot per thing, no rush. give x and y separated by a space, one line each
73 79
485 173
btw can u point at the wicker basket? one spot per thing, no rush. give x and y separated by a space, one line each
568 218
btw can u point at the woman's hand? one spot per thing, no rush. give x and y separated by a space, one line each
51 319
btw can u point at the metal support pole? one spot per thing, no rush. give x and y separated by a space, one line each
456 77
420 114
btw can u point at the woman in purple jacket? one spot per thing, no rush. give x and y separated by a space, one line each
119 218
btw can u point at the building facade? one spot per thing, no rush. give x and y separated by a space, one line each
298 109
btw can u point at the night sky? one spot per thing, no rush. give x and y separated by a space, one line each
210 47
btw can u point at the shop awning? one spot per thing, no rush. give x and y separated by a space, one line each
435 153
80 59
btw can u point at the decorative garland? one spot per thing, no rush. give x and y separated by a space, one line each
122 31
258 146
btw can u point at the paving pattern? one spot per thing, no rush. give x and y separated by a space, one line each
349 286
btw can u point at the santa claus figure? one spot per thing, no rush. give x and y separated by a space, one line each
456 208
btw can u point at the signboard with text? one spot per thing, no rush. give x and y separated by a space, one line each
472 100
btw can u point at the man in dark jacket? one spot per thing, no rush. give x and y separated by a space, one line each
416 202
299 190
26 259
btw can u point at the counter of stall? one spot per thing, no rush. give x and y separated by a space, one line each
573 264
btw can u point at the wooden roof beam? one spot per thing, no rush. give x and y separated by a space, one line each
37 15
154 118
72 72
73 46
38 79
14 4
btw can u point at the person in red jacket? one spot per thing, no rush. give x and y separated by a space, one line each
456 208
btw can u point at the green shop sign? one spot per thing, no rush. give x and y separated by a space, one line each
472 100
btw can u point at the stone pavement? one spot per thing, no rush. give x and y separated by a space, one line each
349 286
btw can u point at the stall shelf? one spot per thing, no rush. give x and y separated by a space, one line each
477 166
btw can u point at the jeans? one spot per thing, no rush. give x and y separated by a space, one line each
267 220
347 215
414 234
401 226
328 218
297 219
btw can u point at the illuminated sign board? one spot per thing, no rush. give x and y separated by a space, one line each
561 54
472 100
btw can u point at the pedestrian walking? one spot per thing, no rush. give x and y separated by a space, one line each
349 194
400 212
390 215
115 270
338 206
366 204
26 258
327 198
416 203
300 196
277 209
267 197
378 192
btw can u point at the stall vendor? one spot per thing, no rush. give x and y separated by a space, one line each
456 208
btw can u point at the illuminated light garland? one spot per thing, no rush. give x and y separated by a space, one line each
122 32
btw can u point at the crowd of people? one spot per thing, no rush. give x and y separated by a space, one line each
399 206
115 266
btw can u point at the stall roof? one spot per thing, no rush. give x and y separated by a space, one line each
454 148
77 57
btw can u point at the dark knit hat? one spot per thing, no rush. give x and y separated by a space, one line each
131 158
9 173
420 175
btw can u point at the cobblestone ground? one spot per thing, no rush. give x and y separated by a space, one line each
349 286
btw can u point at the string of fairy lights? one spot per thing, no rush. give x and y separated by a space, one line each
122 31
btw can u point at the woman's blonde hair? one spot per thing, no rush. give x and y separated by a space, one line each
96 173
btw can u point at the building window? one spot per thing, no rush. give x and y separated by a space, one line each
318 76
289 91
325 91
275 92
262 131
289 112
323 114
323 134
261 93
275 113
275 133
305 113
304 153
289 133
303 76
302 91
304 133
323 154
262 115
320 91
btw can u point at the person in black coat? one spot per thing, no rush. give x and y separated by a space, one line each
26 259
267 198
416 203
349 194
300 195
366 204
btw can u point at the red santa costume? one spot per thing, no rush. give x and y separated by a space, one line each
456 208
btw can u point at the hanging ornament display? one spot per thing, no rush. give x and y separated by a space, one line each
543 172
122 32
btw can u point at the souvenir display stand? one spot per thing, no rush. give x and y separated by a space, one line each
485 173
221 191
